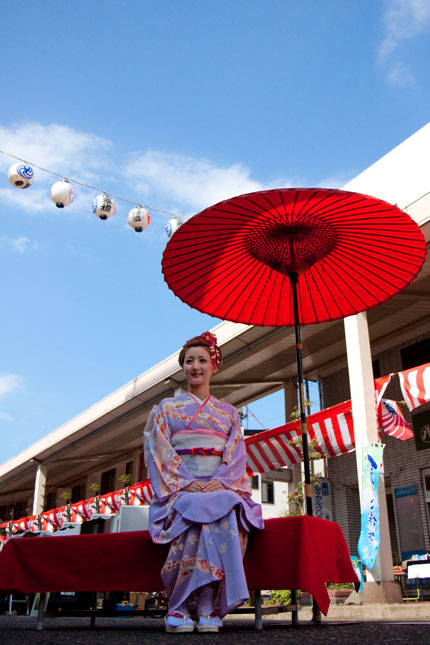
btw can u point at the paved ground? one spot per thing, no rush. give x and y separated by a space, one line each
18 630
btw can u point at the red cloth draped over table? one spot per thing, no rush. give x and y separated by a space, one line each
290 553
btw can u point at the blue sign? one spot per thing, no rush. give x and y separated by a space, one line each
405 491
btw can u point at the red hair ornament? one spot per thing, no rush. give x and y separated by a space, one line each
214 350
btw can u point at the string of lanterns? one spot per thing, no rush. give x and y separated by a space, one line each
21 175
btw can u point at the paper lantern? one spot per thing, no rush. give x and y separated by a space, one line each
173 225
62 193
139 219
21 175
104 206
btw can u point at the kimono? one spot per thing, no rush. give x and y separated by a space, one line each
192 440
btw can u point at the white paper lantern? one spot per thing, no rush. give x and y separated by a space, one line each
21 175
104 206
139 218
62 193
173 225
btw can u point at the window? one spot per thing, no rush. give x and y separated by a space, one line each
50 501
255 483
78 493
107 484
19 510
416 354
4 513
267 492
129 468
376 369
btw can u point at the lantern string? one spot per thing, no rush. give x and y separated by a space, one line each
81 183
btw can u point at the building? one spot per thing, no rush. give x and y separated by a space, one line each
105 441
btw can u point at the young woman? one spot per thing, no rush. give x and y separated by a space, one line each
202 505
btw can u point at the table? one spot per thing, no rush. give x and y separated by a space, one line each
290 553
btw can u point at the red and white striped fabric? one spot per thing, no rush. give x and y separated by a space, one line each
393 422
52 520
80 512
380 387
141 493
415 384
23 524
332 430
110 503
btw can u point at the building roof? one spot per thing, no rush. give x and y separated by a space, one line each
257 360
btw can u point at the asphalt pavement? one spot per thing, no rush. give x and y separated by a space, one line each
17 630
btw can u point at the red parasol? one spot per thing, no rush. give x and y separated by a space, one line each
350 251
293 256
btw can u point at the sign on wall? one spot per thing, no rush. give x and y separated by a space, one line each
421 423
409 520
321 499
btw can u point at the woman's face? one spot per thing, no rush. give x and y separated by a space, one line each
198 367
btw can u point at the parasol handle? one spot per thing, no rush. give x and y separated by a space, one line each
294 278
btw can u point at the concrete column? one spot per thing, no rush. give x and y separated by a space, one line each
39 489
380 586
178 391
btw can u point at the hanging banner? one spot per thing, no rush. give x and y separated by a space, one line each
321 499
368 543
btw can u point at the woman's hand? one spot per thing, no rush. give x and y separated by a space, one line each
212 485
194 487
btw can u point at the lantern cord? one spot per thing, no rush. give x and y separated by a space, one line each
81 183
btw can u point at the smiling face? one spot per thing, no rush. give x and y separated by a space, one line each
198 368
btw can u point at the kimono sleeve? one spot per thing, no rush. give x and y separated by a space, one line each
167 471
232 472
147 433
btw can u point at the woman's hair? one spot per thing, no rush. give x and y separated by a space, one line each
204 340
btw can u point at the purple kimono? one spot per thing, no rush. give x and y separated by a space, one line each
193 440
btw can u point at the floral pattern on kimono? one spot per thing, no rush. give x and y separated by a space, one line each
207 531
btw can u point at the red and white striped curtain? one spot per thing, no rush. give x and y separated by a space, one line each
331 430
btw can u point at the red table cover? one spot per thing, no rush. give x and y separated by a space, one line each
290 553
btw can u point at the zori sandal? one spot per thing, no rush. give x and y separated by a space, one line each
209 623
177 623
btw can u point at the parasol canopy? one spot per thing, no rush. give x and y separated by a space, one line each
350 252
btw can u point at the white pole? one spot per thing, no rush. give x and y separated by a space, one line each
39 489
366 431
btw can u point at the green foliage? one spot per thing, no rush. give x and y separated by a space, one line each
126 479
295 412
312 447
296 498
66 495
95 487
340 585
282 597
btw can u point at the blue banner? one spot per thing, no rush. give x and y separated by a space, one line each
368 543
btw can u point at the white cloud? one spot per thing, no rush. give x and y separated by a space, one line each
336 180
19 244
5 417
78 155
9 383
57 148
166 180
187 183
399 74
402 20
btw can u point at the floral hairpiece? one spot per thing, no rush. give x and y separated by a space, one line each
214 350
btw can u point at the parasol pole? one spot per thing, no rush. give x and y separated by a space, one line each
294 278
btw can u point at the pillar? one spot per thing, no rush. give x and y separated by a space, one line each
39 489
380 586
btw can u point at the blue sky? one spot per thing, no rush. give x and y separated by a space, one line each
176 105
